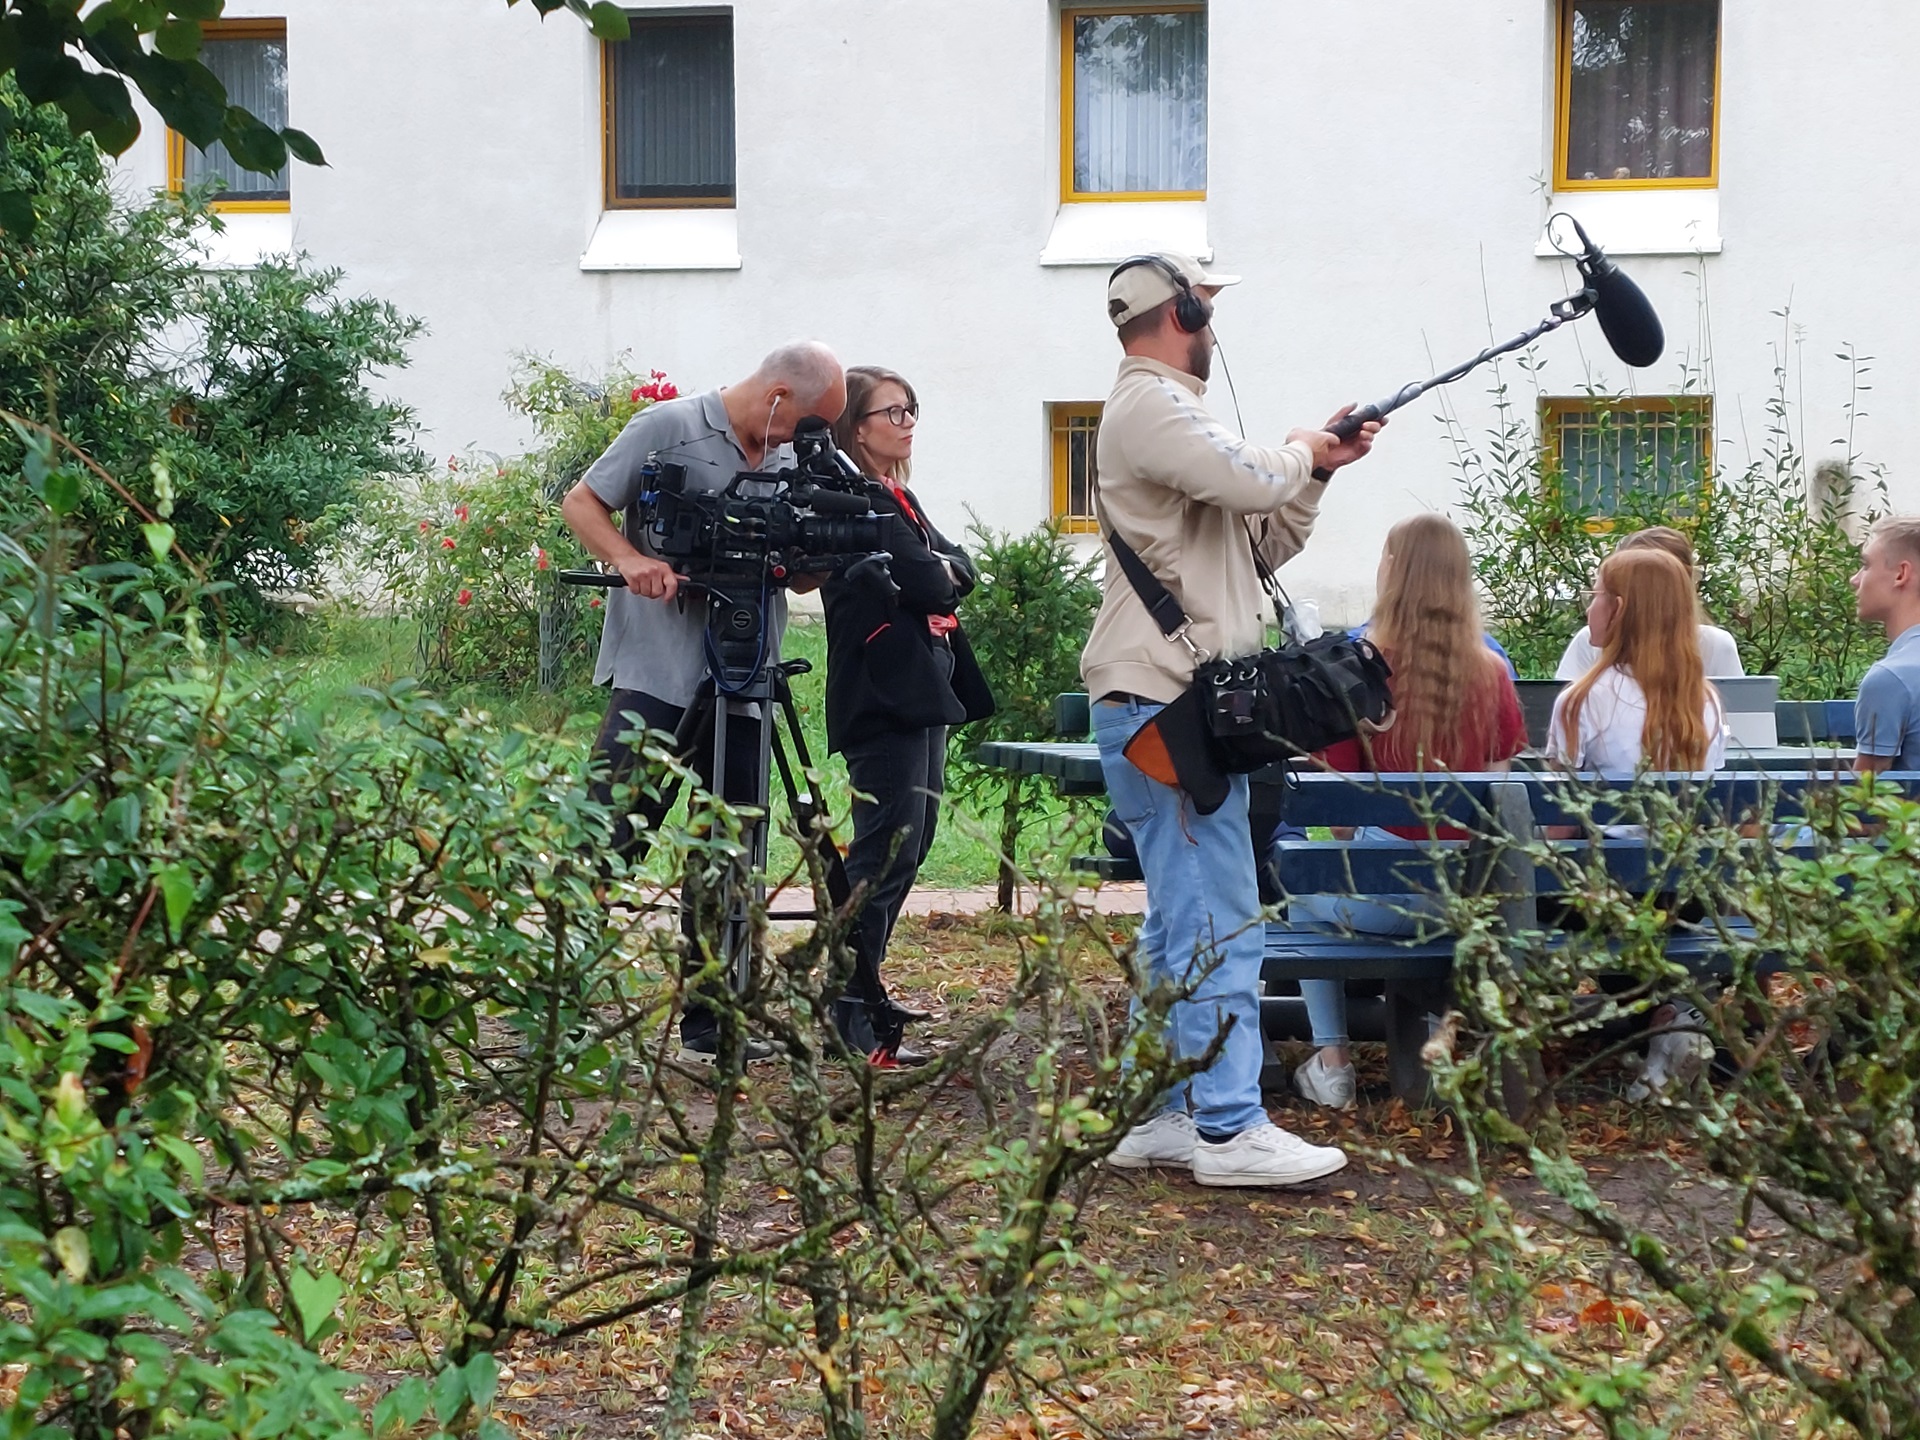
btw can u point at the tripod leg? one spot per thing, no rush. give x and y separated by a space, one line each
806 809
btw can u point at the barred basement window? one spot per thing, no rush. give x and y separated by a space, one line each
1604 449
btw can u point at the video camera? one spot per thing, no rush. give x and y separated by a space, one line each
766 529
811 518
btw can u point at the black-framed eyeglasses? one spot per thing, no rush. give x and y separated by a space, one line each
896 414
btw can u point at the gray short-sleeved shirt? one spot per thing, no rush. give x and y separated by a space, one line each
1886 717
652 645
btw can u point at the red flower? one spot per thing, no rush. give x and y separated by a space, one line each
637 391
453 462
425 526
465 597
447 543
539 559
594 603
460 513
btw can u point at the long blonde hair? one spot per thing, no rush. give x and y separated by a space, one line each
1426 621
1655 639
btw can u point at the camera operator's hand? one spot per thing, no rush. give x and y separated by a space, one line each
647 577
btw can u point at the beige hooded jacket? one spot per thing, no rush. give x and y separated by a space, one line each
1175 484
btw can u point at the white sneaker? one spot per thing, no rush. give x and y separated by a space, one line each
1672 1057
1264 1154
1325 1085
1167 1139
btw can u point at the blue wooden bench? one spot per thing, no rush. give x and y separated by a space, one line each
1400 985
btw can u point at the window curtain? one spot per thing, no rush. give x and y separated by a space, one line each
1139 103
672 112
255 74
1640 105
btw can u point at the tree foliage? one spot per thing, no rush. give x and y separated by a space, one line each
243 396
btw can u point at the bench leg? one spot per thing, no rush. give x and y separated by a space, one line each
1413 1009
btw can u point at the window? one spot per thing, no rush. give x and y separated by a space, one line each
1604 449
1639 94
1075 427
1133 103
250 59
669 103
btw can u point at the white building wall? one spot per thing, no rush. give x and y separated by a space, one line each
1376 174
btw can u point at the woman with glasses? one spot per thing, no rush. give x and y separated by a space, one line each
899 672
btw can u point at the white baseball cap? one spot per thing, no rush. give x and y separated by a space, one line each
1139 284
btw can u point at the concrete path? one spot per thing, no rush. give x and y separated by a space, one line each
1116 898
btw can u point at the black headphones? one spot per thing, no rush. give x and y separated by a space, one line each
1191 312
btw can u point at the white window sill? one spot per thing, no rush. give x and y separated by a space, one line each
1643 222
246 238
1105 232
704 239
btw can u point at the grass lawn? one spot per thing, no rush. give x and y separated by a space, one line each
340 653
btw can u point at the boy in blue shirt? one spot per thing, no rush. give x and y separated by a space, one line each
1887 590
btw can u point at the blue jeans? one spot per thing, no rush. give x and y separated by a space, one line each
1203 906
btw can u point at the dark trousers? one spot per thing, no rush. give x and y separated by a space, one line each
905 771
622 759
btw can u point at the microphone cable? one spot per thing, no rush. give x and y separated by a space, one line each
1226 373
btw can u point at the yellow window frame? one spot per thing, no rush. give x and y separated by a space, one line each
1068 14
177 143
1061 415
1563 122
609 197
1554 409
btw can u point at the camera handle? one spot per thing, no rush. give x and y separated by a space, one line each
604 579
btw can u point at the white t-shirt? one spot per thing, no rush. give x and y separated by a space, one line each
1718 654
1612 721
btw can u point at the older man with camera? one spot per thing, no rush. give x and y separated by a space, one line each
1203 509
652 650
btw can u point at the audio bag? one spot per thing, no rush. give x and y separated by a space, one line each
1254 710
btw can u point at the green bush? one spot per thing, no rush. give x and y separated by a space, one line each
468 554
1775 545
1790 1269
1028 622
242 395
269 973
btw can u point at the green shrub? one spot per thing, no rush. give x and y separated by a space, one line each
1028 622
1788 1267
468 554
273 976
241 394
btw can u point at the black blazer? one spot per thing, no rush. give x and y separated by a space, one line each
883 672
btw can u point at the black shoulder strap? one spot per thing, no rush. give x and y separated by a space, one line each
1161 605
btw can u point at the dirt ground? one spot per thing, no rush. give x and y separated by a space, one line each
1270 1313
